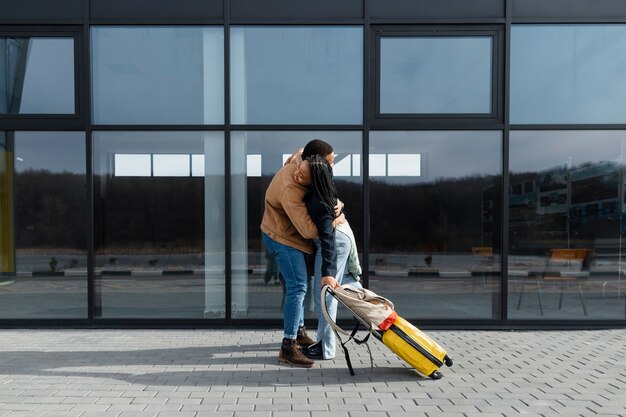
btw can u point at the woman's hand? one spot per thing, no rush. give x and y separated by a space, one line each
338 208
330 281
296 153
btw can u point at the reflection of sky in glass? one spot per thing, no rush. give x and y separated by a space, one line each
270 147
49 77
51 151
171 153
297 75
568 74
158 75
170 165
533 151
435 75
443 154
132 165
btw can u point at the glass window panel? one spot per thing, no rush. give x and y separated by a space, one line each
171 165
378 165
133 165
158 75
567 206
297 75
434 237
159 238
257 291
408 165
254 165
436 74
43 225
564 74
197 165
37 75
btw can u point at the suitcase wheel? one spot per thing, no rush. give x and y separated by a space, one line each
448 360
436 375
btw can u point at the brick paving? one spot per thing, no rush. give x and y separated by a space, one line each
235 373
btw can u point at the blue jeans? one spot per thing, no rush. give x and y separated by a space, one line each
325 333
293 268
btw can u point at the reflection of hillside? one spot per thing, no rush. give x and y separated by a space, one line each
442 216
150 213
50 210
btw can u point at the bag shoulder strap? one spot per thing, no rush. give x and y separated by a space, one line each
337 330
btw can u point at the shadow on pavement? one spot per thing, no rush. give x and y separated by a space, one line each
246 365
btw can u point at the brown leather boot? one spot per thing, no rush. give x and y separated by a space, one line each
290 353
302 338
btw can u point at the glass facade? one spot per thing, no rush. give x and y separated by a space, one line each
158 75
256 157
296 75
434 229
159 224
435 74
37 75
482 173
567 206
43 204
568 74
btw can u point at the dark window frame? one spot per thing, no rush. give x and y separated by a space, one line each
416 120
69 121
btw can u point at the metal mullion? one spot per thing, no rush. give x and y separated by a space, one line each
174 128
228 267
403 22
94 302
569 20
365 141
296 22
568 127
399 125
295 127
156 22
504 190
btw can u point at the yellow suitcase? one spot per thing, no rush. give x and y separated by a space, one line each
404 339
415 348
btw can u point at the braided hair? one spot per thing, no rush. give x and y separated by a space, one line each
322 181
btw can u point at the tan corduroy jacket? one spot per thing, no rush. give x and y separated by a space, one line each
286 219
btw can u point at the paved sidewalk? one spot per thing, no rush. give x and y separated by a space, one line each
235 373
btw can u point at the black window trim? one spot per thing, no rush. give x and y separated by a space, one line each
496 32
75 119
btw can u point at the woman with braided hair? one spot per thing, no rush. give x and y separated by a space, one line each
320 202
337 259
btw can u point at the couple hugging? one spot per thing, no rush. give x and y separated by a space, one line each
303 214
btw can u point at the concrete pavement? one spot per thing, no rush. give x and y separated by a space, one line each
235 373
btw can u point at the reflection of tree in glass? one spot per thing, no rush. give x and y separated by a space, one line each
50 210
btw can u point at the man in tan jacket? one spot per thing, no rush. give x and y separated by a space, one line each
287 230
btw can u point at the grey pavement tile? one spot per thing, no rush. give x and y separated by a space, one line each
272 407
101 414
138 414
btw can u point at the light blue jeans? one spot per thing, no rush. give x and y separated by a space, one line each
325 333
293 268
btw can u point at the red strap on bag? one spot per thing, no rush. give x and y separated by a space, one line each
389 321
